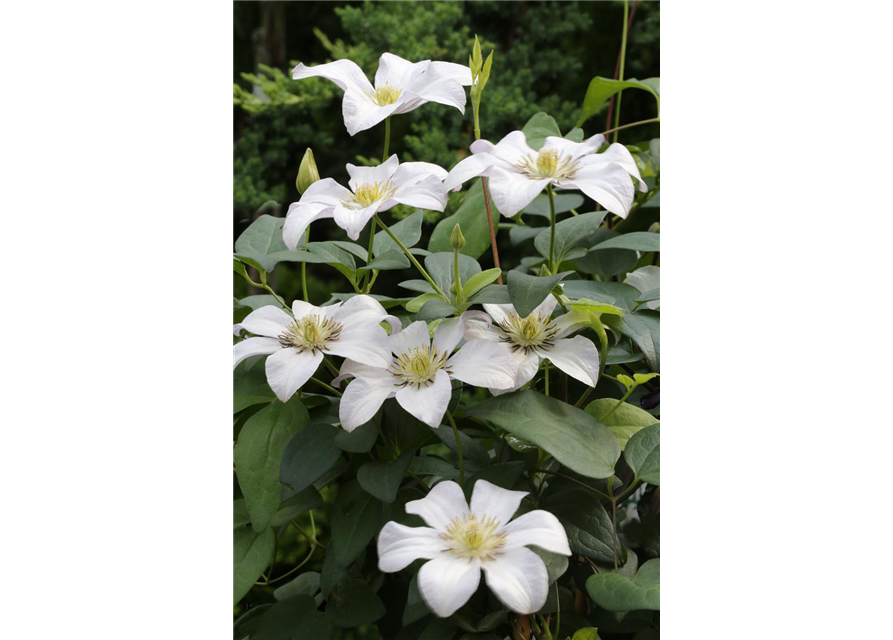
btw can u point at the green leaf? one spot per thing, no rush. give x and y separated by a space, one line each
538 128
477 282
491 294
258 453
608 262
569 233
650 295
382 479
643 327
636 241
335 256
294 506
308 455
437 308
625 422
503 475
643 454
564 202
601 89
431 466
438 629
586 633
247 624
472 217
387 261
415 608
261 245
556 564
440 268
354 603
360 440
252 553
576 134
240 514
615 592
408 230
588 525
306 584
250 387
475 455
293 619
415 305
356 517
571 435
527 292
623 295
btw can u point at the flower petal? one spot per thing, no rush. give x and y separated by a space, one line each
608 184
539 528
519 579
547 306
370 175
365 344
354 220
415 172
288 370
447 582
399 545
444 502
449 333
393 70
577 357
361 113
442 90
362 399
254 347
428 194
299 309
512 149
360 310
456 72
471 167
646 279
484 364
499 312
298 218
496 502
345 73
428 404
513 191
414 336
618 154
528 365
575 150
267 321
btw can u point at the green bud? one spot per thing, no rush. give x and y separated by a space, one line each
308 173
457 240
477 59
654 228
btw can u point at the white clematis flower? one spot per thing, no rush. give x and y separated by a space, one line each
538 337
297 344
400 86
419 374
518 174
461 540
646 279
372 190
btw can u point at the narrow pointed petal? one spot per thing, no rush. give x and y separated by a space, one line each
568 323
539 528
483 363
577 357
443 503
513 191
288 370
519 579
414 336
370 175
646 279
428 404
471 167
362 399
496 502
399 545
254 347
360 113
447 582
267 321
344 73
353 221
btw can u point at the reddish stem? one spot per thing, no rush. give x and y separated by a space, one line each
492 229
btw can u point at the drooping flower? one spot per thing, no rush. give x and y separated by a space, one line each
297 344
538 337
372 189
518 173
400 86
646 279
419 374
461 540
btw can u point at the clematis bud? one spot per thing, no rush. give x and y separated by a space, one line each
308 173
654 228
457 240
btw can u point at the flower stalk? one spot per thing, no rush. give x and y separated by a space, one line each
409 255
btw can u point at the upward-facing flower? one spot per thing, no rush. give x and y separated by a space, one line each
400 86
420 372
372 189
460 541
538 337
518 173
298 343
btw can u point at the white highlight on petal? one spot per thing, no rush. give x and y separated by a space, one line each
444 502
499 503
267 321
539 528
399 545
288 370
254 347
484 364
577 357
428 404
447 582
362 399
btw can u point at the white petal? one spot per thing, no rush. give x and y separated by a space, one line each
577 357
443 503
399 545
569 322
499 312
267 321
519 579
254 347
449 333
608 184
414 336
370 175
345 73
415 172
364 344
362 399
288 370
495 502
456 72
646 279
618 154
299 309
360 310
442 90
513 191
528 365
361 113
512 149
354 220
353 369
428 404
392 70
447 582
298 218
547 306
428 194
539 528
484 364
471 167
575 150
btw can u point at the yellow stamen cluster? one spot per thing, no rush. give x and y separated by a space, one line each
367 194
311 333
386 95
474 537
419 366
535 332
548 164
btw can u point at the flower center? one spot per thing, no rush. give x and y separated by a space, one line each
548 164
367 194
535 332
419 366
310 332
474 537
385 95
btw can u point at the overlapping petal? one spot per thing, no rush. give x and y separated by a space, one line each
540 529
399 545
428 403
444 502
447 582
519 579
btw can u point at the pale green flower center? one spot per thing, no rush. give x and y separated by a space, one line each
535 332
474 537
549 163
419 366
386 95
311 333
367 194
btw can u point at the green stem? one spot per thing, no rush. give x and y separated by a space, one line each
631 124
325 386
304 270
552 268
264 285
458 449
546 368
369 279
622 65
387 135
410 256
582 484
456 281
617 406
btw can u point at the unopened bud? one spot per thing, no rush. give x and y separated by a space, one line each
457 240
308 173
654 228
